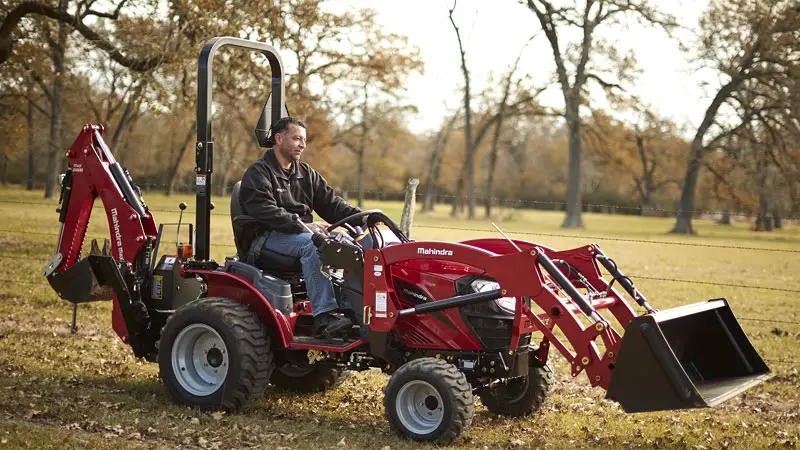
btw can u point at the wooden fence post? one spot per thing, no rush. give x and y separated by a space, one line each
407 219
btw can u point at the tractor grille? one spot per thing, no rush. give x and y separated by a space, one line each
494 331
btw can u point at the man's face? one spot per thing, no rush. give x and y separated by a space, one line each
291 143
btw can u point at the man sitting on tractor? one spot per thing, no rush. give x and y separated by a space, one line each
276 190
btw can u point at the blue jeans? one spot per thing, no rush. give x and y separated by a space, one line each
320 289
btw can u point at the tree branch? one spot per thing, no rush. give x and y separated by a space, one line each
13 18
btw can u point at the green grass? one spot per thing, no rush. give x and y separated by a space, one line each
87 391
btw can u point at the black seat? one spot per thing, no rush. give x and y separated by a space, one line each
245 229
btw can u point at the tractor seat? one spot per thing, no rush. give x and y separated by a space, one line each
245 229
272 261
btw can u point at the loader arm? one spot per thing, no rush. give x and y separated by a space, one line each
93 172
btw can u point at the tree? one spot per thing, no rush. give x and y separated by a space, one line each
586 17
468 172
646 151
753 45
433 168
77 21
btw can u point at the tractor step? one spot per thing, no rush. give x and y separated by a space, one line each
330 345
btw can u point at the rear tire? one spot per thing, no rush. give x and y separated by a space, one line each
303 377
428 399
215 354
521 396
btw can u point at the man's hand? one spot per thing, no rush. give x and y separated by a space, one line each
318 228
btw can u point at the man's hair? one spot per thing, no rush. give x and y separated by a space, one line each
281 126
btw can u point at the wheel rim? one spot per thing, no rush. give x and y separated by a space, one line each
200 360
419 407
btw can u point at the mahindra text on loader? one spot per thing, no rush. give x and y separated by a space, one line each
447 321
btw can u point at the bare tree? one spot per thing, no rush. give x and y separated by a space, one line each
555 20
467 180
435 163
750 44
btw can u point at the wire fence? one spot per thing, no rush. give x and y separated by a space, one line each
510 232
547 205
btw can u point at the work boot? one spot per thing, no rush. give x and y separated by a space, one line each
330 325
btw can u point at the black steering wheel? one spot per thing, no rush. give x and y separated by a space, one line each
346 221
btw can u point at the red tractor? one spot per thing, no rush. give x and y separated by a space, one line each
447 321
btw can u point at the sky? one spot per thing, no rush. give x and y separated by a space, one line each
493 34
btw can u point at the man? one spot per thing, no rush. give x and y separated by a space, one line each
277 187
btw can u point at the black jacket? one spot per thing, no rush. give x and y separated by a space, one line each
273 197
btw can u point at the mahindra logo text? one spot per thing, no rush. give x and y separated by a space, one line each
434 251
117 233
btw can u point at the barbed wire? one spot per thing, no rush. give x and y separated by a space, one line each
497 201
603 238
767 288
530 233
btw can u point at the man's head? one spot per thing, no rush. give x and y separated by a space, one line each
289 136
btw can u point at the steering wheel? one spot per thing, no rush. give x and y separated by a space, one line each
345 222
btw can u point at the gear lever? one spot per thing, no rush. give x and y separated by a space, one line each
317 238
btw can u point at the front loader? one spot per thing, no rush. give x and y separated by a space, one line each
447 321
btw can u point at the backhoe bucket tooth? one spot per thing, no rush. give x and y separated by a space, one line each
692 356
79 284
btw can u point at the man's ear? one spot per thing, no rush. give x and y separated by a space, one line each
276 139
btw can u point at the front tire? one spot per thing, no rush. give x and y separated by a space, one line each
428 399
215 354
521 396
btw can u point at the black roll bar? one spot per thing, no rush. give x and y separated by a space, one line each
204 150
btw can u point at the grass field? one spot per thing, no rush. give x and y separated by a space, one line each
86 390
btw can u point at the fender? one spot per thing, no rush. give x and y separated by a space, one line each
234 287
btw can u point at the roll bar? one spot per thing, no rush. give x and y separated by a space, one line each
204 150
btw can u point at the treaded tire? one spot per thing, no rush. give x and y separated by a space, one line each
249 354
523 396
305 379
450 385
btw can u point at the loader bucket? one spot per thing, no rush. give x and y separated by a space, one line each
79 283
692 356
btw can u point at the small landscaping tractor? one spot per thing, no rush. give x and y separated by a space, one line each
447 321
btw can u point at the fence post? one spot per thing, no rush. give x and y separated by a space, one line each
410 203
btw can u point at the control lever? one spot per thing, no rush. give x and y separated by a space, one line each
317 238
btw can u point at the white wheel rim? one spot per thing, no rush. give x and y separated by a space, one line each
419 407
200 360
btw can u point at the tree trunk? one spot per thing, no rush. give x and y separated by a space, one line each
31 137
776 217
360 177
458 199
492 164
173 171
574 218
431 181
3 164
683 223
362 149
726 217
54 149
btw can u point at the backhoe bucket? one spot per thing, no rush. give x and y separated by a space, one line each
80 283
692 356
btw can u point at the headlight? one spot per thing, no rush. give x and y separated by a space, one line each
507 304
